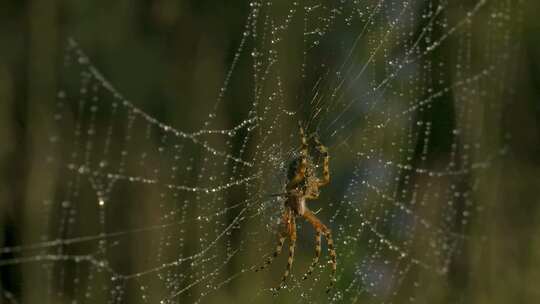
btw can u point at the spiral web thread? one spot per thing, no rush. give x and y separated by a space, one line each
145 212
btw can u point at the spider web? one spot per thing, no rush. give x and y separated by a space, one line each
407 95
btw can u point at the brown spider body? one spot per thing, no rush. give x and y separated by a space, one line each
303 185
296 202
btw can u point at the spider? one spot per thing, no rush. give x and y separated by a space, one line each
303 185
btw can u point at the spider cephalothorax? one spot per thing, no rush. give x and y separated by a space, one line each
303 185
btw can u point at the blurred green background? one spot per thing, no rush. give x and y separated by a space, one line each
170 57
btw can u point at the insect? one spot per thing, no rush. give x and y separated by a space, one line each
303 185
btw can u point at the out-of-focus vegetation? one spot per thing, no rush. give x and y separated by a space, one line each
170 57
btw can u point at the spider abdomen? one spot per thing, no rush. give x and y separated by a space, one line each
297 203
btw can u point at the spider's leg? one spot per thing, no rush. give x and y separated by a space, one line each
302 134
282 237
292 246
277 252
304 140
319 226
333 257
326 163
317 254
